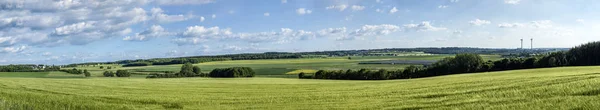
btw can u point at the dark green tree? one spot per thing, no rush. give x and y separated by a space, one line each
123 73
197 70
108 74
86 73
187 70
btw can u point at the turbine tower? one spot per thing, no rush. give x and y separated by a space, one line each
521 43
531 43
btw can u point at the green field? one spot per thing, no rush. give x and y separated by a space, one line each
279 67
550 88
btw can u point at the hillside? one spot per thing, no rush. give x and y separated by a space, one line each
548 88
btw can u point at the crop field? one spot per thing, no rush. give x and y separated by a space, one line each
548 88
279 67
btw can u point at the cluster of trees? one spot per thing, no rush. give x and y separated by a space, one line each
362 74
583 55
108 74
232 72
187 70
137 64
85 72
28 68
586 54
119 73
107 67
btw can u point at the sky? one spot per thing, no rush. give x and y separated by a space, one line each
76 31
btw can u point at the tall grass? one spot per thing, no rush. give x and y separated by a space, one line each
550 88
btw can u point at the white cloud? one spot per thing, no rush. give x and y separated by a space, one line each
202 19
513 2
532 24
13 49
510 25
214 16
541 24
303 11
580 21
284 36
153 32
457 32
159 16
196 35
378 10
332 32
266 14
206 33
370 31
424 26
357 7
479 22
188 41
74 28
443 6
46 53
183 2
283 1
454 1
378 1
393 10
338 7
59 22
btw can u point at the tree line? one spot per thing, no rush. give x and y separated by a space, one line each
119 73
583 55
189 70
28 68
85 72
232 72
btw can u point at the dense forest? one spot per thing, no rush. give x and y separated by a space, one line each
582 55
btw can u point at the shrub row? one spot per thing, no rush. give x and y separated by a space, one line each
232 72
119 73
583 55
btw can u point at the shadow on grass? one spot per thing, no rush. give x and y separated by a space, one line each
588 93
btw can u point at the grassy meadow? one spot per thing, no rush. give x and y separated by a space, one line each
289 67
549 88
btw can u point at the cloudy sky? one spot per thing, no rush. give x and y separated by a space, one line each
73 31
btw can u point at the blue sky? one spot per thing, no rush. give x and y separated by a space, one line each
73 31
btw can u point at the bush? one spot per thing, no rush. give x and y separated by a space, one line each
72 71
109 74
362 74
232 72
163 75
197 70
123 73
187 70
86 73
303 75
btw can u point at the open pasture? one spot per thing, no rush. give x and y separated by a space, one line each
548 88
279 67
